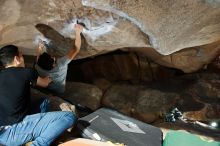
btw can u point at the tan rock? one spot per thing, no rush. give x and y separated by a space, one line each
84 94
188 60
205 91
171 26
57 17
144 104
215 65
154 104
121 97
164 26
102 84
196 95
124 66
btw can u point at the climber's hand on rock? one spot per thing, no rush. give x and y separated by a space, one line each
40 46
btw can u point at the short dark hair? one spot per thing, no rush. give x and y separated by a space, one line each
7 54
45 61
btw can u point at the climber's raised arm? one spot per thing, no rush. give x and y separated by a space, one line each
75 50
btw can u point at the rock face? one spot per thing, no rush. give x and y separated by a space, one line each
123 66
164 26
144 104
197 96
84 94
188 60
206 91
104 31
170 25
215 65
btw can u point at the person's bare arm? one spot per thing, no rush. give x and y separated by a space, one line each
43 82
75 50
39 50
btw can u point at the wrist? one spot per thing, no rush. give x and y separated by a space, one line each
78 32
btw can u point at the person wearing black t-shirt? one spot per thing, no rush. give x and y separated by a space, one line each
17 125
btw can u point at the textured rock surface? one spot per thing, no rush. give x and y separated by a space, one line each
170 25
152 104
123 66
19 18
165 26
139 101
206 91
84 94
195 95
215 65
121 97
188 60
192 59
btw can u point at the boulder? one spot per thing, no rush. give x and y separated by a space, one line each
177 33
153 104
104 31
85 94
171 26
188 60
140 102
196 96
205 91
124 66
121 97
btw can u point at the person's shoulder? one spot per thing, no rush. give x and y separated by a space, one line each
39 69
63 60
17 70
26 68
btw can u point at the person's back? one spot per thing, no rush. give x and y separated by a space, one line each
57 69
15 94
57 74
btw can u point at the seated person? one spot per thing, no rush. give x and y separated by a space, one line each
17 125
57 69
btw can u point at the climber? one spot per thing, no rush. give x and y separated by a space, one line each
17 124
46 65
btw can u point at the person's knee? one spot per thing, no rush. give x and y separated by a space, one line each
70 117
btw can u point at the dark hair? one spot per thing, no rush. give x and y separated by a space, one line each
45 61
7 54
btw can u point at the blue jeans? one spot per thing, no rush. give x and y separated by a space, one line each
42 129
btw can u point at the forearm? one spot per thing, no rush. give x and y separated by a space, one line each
38 53
78 42
39 50
43 82
75 50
